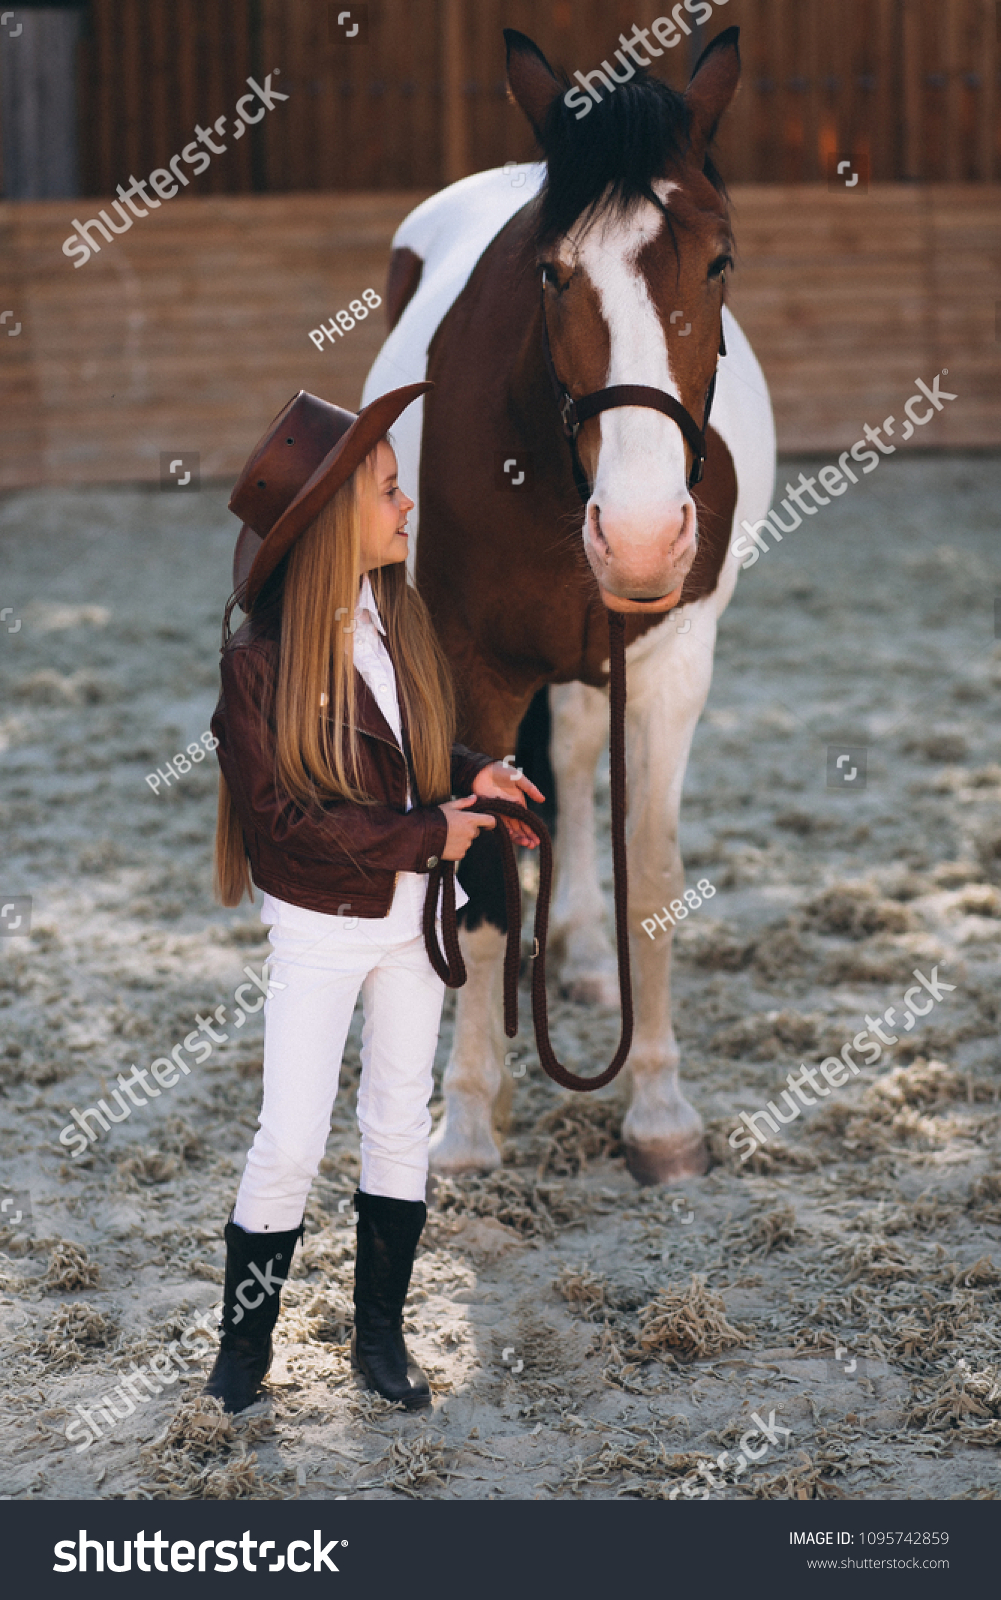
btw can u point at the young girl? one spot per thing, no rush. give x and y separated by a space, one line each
335 729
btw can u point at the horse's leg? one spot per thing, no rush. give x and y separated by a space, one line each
464 1140
668 677
587 969
474 1076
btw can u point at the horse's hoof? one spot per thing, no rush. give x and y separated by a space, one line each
456 1150
667 1160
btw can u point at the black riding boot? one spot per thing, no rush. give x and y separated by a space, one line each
388 1231
257 1265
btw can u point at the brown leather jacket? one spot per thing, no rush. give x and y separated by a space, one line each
339 857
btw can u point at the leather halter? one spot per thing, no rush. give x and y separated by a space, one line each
575 412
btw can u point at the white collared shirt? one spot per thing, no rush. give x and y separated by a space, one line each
376 667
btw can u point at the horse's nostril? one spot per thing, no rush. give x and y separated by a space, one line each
597 532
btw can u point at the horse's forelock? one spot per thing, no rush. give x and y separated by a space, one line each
607 161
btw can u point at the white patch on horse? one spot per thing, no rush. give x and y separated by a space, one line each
642 459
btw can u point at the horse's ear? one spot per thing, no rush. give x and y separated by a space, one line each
712 87
531 81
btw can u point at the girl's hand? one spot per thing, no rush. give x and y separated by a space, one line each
500 782
462 827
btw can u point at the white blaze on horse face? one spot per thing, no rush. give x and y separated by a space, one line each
640 528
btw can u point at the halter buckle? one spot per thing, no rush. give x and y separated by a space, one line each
568 413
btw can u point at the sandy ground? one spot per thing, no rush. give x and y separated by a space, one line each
585 1338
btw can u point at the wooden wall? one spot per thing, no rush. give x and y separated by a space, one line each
190 332
418 97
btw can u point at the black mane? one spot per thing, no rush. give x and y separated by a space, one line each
605 161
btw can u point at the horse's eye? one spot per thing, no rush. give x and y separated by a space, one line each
719 267
549 275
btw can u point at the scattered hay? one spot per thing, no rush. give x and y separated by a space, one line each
75 1332
982 1273
980 900
854 911
773 1230
328 1250
923 1083
46 687
968 1401
70 1267
584 1291
331 1318
783 955
531 1208
877 961
775 1156
411 1466
929 1213
177 1143
873 1258
804 1481
202 1455
941 746
580 1129
691 1320
768 1035
985 1197
148 1166
890 1111
934 1328
714 946
652 1473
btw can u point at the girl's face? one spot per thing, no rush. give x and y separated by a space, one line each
384 509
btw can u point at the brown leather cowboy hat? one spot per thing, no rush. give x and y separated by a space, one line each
309 450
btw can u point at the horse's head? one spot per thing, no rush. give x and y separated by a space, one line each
633 244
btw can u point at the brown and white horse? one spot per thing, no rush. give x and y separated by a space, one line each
619 243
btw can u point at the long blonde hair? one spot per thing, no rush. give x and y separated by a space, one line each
317 751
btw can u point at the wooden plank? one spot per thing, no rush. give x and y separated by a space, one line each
174 333
382 114
456 134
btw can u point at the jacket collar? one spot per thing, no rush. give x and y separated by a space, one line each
369 717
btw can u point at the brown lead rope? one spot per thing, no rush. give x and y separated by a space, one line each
450 966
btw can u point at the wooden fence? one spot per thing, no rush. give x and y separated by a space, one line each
417 96
189 333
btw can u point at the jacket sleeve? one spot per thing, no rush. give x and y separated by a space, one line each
374 835
465 765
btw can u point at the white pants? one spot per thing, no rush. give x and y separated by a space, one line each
323 961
